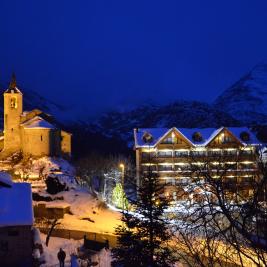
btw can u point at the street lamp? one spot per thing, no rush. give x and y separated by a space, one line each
122 174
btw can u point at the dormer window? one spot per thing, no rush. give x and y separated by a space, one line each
13 102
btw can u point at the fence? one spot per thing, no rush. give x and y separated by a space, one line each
78 235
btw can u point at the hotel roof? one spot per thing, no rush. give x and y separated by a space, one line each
207 134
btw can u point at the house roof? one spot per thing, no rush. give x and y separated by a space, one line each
38 123
5 180
16 205
208 134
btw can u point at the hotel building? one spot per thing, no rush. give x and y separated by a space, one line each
177 155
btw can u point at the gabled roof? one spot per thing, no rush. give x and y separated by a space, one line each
37 123
174 129
16 205
208 134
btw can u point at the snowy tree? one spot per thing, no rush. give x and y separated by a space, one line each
143 238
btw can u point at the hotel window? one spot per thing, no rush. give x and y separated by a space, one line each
182 167
215 153
147 155
246 152
172 140
230 166
198 153
170 181
247 166
167 140
229 152
149 168
181 153
165 167
225 138
165 154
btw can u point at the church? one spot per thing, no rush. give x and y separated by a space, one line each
31 132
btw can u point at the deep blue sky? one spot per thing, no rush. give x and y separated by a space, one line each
112 53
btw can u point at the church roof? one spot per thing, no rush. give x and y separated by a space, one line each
12 88
38 123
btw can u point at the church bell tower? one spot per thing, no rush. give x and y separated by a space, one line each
13 106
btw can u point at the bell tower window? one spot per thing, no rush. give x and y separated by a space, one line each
13 102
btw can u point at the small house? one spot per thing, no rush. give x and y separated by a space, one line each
16 221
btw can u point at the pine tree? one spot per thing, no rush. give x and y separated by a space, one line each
119 198
143 237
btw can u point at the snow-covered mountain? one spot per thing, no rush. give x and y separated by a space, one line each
246 100
245 103
180 113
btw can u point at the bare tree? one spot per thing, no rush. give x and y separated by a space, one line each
225 221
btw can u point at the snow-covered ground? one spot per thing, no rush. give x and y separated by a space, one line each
88 213
55 243
103 258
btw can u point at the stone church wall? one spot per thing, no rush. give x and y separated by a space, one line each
41 142
65 144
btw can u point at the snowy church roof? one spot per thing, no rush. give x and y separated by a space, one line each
16 205
38 123
207 134
15 202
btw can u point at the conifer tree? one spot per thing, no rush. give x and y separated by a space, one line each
119 198
143 237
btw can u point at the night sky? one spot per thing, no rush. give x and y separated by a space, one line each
120 53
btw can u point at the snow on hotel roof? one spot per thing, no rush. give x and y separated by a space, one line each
15 204
207 134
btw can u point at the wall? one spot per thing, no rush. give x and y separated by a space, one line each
40 142
40 210
15 246
65 144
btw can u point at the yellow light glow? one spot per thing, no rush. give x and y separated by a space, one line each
148 150
248 148
164 150
199 149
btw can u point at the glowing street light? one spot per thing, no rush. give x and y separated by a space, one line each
122 174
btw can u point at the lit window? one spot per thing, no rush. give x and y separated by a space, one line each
165 154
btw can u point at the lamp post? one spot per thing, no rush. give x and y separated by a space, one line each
122 174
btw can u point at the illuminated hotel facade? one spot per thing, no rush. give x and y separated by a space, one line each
177 155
